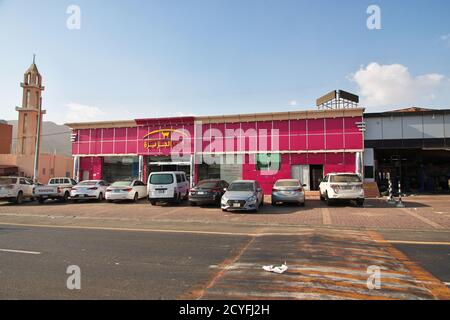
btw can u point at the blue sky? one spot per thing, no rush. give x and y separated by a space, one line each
133 59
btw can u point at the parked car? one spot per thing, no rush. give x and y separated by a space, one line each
288 191
16 189
56 189
167 187
89 189
126 190
243 195
342 186
207 192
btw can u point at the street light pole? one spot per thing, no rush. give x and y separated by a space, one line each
38 142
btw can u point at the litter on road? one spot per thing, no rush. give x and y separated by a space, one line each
279 269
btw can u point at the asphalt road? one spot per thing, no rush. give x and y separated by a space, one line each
114 264
433 258
169 265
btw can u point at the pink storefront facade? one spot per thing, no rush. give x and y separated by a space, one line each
265 147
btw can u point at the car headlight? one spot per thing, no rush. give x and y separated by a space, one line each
224 199
251 199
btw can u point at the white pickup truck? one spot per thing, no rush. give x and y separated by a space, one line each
56 189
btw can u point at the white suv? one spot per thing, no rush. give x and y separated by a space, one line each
342 186
15 189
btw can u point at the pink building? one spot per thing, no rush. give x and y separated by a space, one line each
265 147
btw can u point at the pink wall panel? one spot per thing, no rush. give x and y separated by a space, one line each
298 142
353 140
335 158
120 147
108 134
132 133
92 164
350 124
334 141
83 147
316 126
299 159
334 125
83 135
121 134
316 158
316 142
231 142
108 147
298 127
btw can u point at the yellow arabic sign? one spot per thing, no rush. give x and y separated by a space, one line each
161 139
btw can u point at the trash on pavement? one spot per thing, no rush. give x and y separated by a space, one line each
277 269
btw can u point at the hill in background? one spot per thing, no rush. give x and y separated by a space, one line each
55 138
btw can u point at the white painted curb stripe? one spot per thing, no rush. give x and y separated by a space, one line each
19 251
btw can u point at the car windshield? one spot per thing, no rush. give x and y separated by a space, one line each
122 184
8 180
88 183
241 186
287 183
342 178
207 184
161 179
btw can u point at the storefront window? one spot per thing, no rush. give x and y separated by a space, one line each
268 161
118 168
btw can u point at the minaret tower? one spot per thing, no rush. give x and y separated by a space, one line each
30 111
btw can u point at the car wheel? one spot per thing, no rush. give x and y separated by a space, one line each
19 198
109 201
100 197
322 197
192 204
301 204
153 203
136 197
65 197
224 210
360 202
328 200
41 200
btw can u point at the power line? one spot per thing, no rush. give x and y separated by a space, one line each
42 135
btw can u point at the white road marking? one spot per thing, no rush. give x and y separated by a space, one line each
20 251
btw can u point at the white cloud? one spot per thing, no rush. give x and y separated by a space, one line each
393 85
293 103
83 113
446 38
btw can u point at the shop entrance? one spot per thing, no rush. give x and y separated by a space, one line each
316 176
160 164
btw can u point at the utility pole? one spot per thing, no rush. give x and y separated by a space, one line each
38 143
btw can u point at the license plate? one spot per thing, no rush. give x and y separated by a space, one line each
81 195
201 192
116 191
160 191
236 205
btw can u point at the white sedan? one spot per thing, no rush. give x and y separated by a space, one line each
89 189
126 190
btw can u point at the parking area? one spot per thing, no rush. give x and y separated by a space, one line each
420 213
